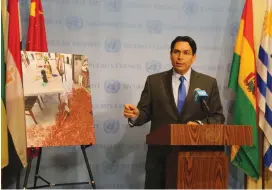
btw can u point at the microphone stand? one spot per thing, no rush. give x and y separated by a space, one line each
207 116
206 109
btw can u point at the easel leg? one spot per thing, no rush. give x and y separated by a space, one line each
28 168
88 165
18 180
38 167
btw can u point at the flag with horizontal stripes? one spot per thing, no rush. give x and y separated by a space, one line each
242 81
264 80
4 127
14 85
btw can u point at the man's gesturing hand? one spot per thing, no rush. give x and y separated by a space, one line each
131 111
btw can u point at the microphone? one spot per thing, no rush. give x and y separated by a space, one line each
200 96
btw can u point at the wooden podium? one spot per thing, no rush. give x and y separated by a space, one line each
198 159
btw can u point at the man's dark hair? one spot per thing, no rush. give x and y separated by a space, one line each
184 39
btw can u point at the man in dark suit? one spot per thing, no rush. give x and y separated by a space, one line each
167 98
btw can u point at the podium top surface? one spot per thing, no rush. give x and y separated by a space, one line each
208 134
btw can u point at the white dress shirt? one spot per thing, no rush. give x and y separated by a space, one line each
176 82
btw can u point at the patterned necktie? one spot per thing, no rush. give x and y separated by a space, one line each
181 94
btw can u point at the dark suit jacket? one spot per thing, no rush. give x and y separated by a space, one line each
158 105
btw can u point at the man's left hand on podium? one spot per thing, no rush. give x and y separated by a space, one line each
192 123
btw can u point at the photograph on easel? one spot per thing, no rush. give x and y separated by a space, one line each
58 104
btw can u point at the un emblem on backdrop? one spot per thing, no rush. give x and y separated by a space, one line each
113 5
234 29
154 26
190 7
113 45
110 167
111 126
153 67
112 86
74 23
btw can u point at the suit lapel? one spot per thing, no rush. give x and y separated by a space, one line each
169 90
193 85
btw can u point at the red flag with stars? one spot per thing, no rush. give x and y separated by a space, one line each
36 36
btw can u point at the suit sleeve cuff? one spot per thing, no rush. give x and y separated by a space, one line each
199 122
131 121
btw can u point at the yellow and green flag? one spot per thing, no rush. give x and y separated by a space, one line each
243 82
